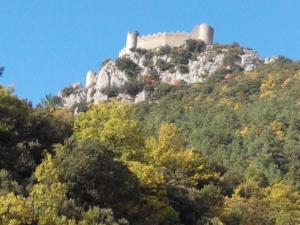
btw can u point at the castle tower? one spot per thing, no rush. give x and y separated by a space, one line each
204 32
131 41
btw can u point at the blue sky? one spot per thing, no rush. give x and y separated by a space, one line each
47 45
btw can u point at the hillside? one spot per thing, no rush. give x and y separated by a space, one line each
192 135
139 75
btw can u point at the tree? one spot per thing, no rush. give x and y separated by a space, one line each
284 204
48 204
176 175
94 178
113 124
26 132
7 184
15 210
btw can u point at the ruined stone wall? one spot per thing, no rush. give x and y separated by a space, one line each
161 39
202 32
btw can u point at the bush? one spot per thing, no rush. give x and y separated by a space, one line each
67 91
148 63
183 69
131 87
141 51
164 50
79 107
50 101
152 75
149 54
172 69
163 65
148 87
231 58
161 90
195 45
128 66
181 56
111 91
104 62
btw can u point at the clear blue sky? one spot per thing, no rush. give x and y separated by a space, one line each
46 45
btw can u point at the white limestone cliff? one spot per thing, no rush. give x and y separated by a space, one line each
199 69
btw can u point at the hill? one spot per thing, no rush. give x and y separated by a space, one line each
197 134
140 74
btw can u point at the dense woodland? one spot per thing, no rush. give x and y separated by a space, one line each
226 151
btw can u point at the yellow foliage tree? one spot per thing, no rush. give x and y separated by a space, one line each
113 124
15 210
277 129
266 87
250 204
168 151
284 204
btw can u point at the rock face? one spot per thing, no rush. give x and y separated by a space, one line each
75 94
109 76
90 78
197 69
272 59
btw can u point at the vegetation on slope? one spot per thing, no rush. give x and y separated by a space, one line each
221 152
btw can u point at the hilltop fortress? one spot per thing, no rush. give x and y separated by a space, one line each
202 32
173 67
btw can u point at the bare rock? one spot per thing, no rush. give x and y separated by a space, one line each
140 97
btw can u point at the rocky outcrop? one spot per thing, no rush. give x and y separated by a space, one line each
249 60
140 97
198 69
272 59
72 95
110 75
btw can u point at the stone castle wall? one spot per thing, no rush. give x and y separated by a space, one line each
160 39
202 32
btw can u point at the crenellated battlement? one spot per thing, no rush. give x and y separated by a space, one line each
162 33
202 32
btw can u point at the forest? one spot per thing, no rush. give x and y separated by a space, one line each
222 152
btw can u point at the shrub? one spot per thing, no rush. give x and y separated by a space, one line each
128 66
55 101
231 58
110 91
141 51
149 54
79 107
104 62
195 45
132 87
172 69
181 56
164 50
183 69
163 65
67 91
152 75
151 79
148 88
148 63
161 90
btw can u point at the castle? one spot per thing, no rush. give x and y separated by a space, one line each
202 32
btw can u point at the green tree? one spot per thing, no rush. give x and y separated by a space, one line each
94 178
114 125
